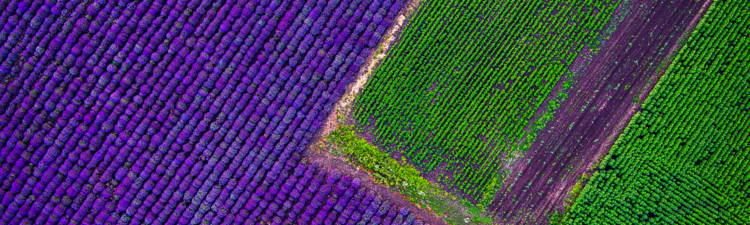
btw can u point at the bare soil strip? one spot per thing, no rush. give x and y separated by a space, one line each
599 106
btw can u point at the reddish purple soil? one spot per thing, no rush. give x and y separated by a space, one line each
598 107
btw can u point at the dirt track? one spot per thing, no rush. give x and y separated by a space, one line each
597 109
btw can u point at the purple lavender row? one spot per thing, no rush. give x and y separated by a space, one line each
167 111
58 190
333 199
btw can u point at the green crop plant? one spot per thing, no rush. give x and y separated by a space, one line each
462 85
683 157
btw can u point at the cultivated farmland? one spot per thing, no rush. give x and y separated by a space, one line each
683 158
601 89
465 79
163 112
396 112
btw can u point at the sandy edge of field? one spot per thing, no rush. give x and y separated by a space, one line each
345 104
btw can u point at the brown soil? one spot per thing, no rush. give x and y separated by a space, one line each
597 109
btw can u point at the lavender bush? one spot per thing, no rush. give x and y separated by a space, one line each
177 111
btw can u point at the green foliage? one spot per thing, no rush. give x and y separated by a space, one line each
462 85
403 177
574 193
555 219
683 157
492 188
386 169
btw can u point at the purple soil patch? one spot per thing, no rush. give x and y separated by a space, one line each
598 106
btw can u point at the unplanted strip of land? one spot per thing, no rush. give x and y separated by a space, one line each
605 87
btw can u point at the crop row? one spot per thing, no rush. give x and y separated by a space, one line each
465 80
167 111
683 157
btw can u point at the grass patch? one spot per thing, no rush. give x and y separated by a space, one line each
404 178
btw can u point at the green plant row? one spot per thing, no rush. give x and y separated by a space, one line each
466 78
684 157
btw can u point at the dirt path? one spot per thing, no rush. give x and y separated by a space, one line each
342 112
598 107
343 107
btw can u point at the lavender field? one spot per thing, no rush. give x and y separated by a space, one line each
369 112
188 112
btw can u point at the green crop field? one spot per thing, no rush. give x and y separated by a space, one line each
683 158
466 78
